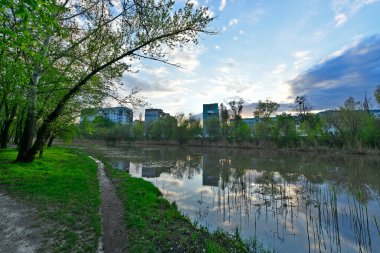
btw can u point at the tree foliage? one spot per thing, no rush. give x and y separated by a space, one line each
264 109
75 52
302 106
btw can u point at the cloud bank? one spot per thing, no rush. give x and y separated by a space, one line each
351 71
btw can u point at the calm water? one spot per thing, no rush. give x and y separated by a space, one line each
291 202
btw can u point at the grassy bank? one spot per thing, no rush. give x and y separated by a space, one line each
155 225
63 187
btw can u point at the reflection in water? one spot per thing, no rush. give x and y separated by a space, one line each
293 202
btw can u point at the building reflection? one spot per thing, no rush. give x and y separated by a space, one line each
122 165
210 175
153 172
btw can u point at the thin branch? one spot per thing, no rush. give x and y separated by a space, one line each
159 60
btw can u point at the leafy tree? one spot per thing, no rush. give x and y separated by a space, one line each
224 116
84 46
212 125
138 130
242 132
312 128
236 108
347 121
286 129
264 129
302 106
264 109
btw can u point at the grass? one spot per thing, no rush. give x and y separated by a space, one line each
155 225
63 187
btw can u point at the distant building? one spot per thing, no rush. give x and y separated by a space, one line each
210 110
152 115
120 115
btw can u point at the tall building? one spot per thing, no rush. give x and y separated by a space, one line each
152 115
210 110
121 115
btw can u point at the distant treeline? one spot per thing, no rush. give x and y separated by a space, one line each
352 126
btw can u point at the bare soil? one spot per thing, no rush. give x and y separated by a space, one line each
114 237
20 227
22 231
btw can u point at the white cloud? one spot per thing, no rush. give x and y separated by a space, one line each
242 32
279 69
224 28
227 66
301 58
235 38
217 47
301 54
233 22
222 5
354 43
340 19
344 9
186 57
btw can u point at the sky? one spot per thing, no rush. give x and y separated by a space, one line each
327 50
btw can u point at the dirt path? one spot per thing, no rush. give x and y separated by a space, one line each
114 238
20 229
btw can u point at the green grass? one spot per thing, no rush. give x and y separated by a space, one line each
155 225
63 187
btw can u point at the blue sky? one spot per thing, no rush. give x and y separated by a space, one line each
328 50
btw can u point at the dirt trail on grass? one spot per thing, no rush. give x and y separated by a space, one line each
114 238
20 229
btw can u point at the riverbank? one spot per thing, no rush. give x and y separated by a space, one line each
262 146
63 189
155 225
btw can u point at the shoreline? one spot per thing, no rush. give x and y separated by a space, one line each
225 145
152 223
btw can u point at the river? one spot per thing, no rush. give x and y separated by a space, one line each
292 202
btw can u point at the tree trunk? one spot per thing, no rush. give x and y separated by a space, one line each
27 154
18 127
30 125
6 126
51 139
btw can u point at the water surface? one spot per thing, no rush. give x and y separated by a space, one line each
292 202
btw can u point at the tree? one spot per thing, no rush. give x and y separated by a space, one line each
224 117
348 120
302 106
212 126
236 108
96 40
264 109
286 129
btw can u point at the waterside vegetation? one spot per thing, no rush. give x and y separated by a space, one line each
155 225
63 187
352 128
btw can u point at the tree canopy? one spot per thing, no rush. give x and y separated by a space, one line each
73 53
264 109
